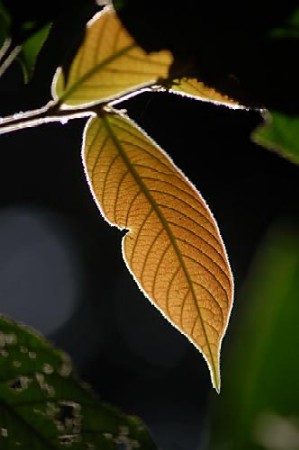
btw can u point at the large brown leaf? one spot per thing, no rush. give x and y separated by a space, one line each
173 247
108 64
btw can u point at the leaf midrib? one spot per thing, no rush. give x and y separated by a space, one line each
68 92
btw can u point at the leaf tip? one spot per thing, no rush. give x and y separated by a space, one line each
217 383
215 375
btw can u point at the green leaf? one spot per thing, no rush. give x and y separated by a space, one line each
26 50
281 134
119 4
44 405
30 50
258 408
280 131
290 30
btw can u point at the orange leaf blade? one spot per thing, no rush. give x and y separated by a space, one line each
108 64
173 247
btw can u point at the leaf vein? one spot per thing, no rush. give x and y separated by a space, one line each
202 252
149 252
211 295
189 194
140 229
211 273
116 200
158 268
169 287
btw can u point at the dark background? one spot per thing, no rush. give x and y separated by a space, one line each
61 269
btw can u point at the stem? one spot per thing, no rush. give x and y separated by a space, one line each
6 46
51 112
8 60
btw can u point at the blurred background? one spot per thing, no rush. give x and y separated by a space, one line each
61 271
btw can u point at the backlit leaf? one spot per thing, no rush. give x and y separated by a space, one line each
108 63
173 247
44 405
193 88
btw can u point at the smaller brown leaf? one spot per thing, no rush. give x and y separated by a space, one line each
198 90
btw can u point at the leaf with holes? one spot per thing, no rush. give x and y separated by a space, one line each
173 246
108 64
44 405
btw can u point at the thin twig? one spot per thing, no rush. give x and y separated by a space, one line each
51 112
6 46
10 59
54 111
